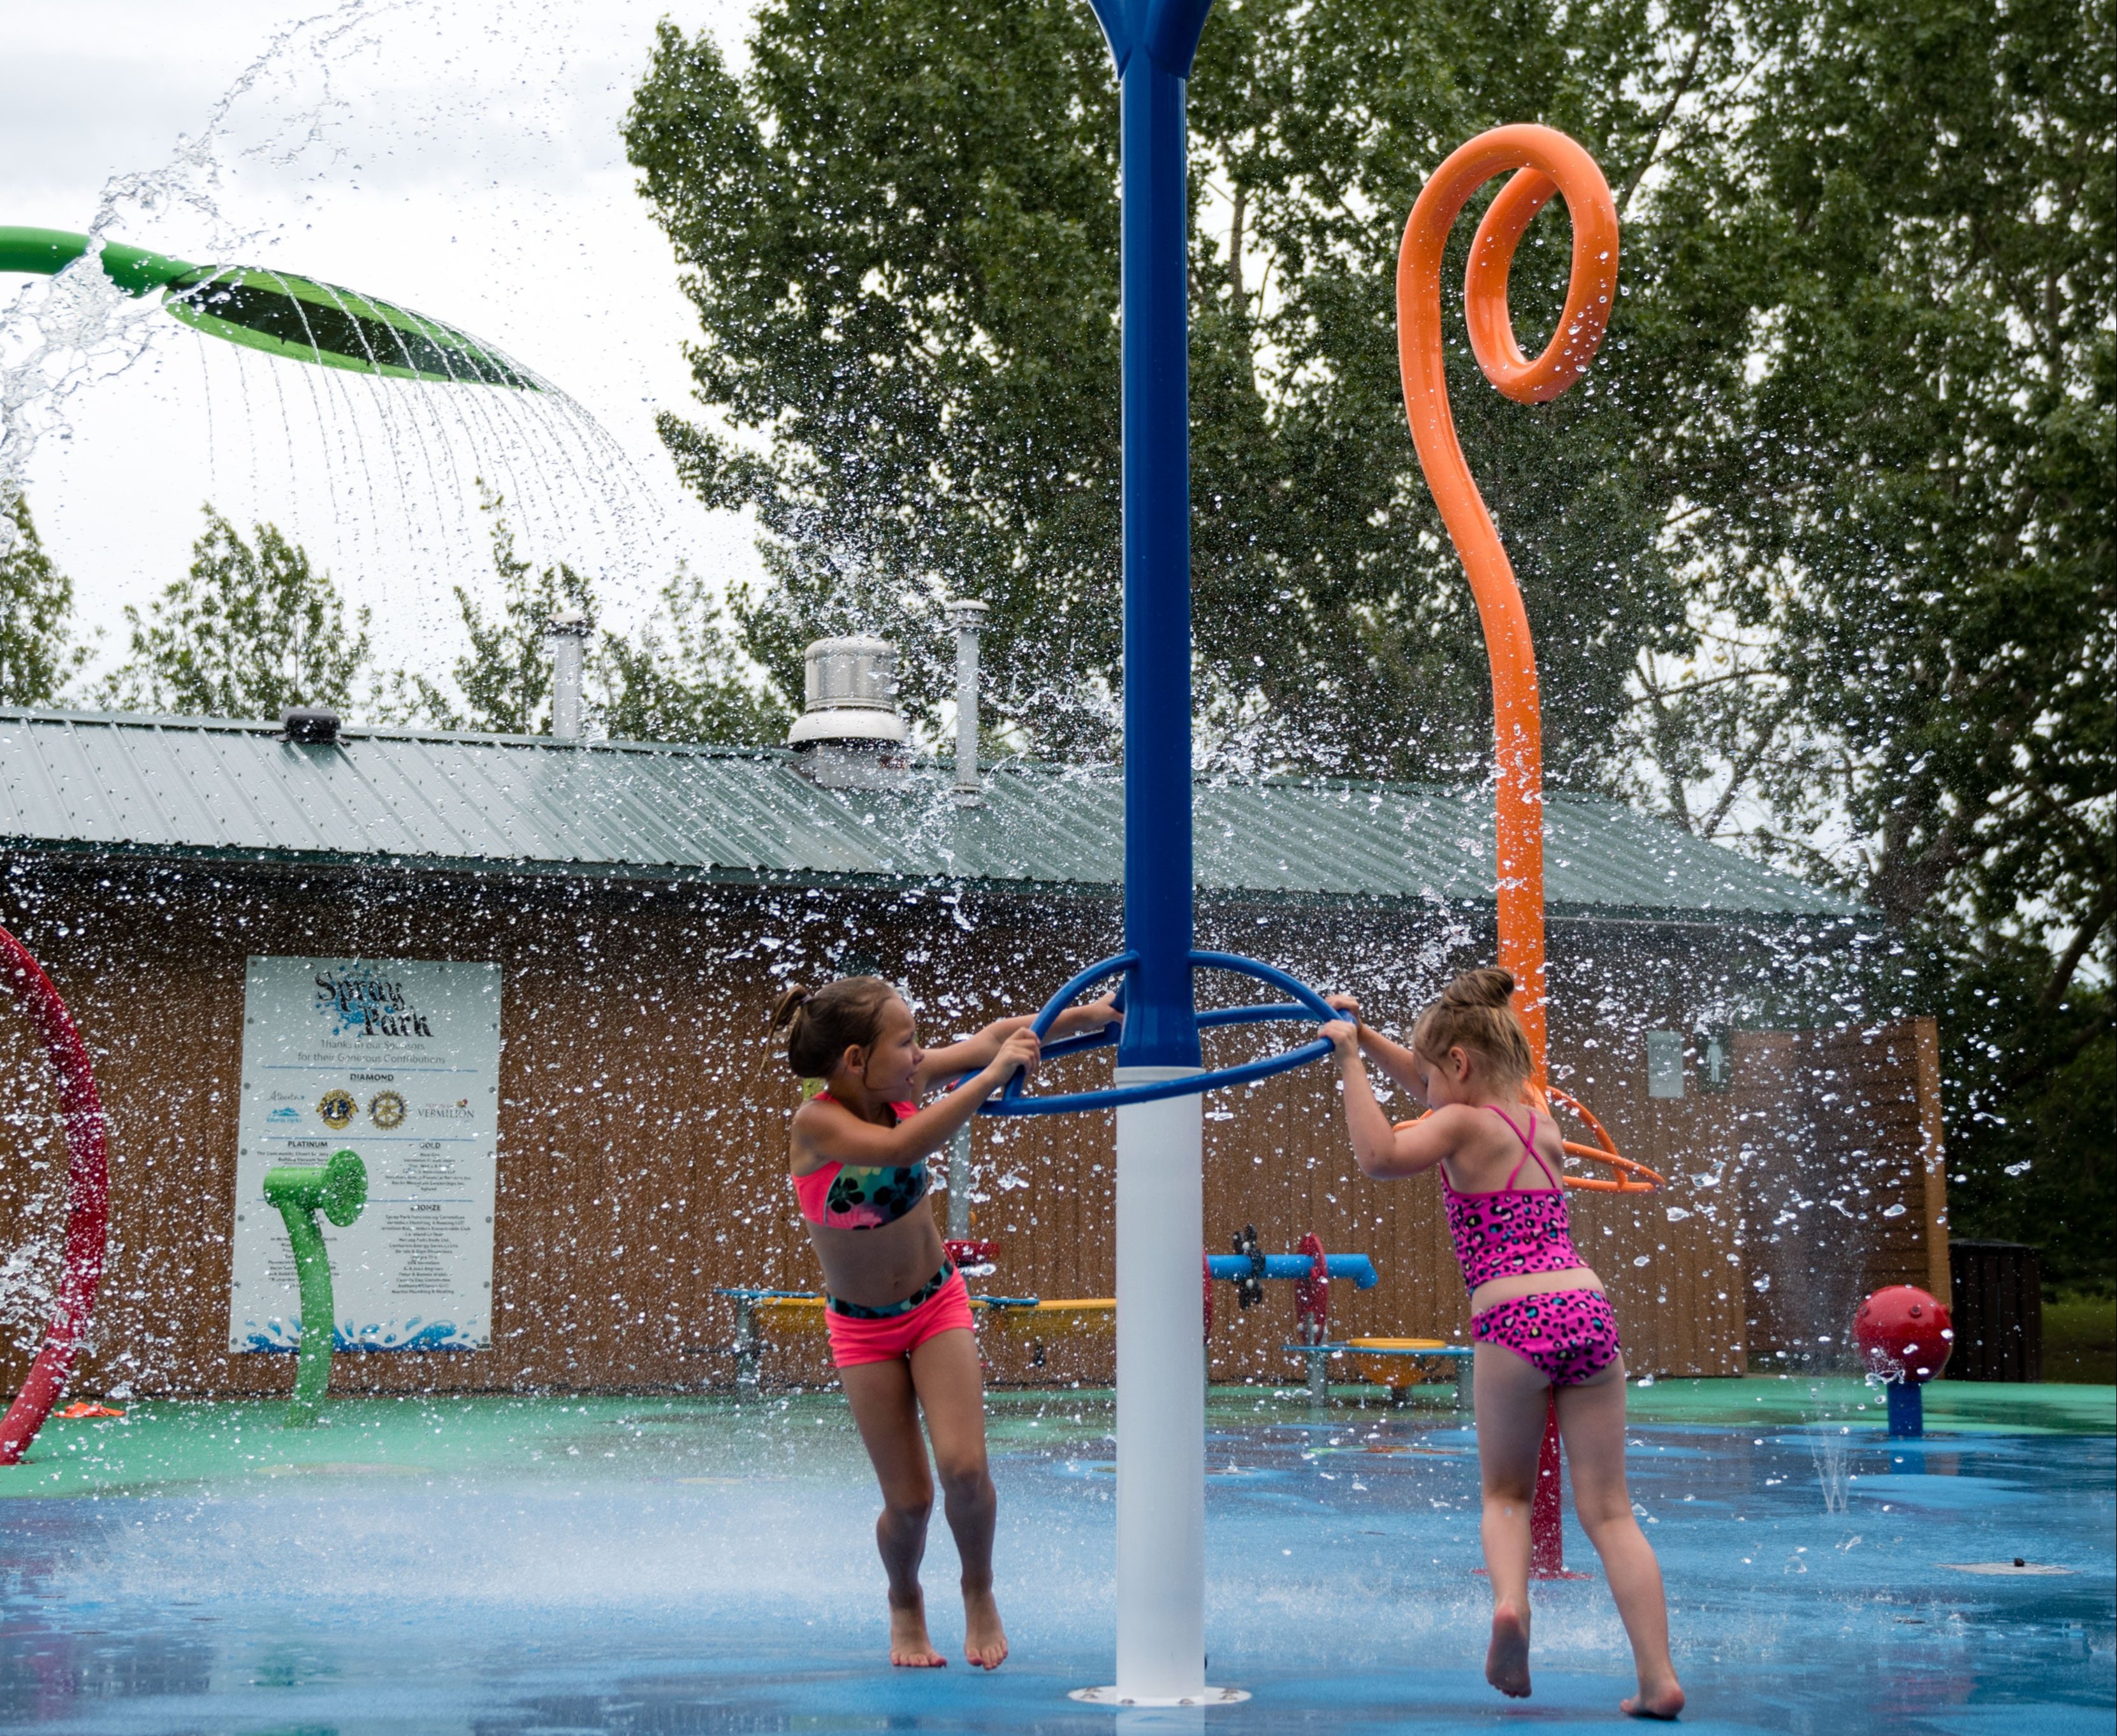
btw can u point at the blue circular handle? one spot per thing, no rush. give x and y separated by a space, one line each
1307 1003
1011 1092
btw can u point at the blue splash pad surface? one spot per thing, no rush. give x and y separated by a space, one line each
509 1567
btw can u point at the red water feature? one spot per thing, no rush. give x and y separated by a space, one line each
88 1196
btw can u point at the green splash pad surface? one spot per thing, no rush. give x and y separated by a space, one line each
164 1443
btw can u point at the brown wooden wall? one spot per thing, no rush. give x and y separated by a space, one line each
642 1123
1844 1184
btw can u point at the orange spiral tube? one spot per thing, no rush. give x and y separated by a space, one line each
1545 161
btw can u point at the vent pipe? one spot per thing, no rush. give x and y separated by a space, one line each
969 618
568 631
312 725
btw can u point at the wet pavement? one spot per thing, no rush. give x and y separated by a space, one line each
515 1568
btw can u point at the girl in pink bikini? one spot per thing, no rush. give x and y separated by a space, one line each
898 1316
1538 1317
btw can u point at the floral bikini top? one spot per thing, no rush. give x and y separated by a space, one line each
853 1196
1511 1230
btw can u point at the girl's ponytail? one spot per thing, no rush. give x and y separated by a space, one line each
821 1024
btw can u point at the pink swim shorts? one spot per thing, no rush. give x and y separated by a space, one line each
948 1309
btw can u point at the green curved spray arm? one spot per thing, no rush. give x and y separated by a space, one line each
338 1190
282 315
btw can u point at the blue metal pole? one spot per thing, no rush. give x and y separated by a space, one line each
1153 43
1906 1409
1160 1201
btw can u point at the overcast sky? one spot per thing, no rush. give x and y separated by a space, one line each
461 160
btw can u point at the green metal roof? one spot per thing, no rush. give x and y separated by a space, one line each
195 787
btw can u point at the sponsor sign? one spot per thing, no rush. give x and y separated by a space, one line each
397 1059
1664 1064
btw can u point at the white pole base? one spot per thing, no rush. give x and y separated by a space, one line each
1204 1696
1161 1400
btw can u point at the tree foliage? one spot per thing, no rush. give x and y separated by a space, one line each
1905 604
900 232
1908 497
253 629
502 683
900 228
38 652
681 678
1817 558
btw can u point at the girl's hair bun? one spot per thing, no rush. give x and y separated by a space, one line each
1476 1012
783 1010
1488 987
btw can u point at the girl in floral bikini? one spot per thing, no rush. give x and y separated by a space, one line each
1538 1316
898 1316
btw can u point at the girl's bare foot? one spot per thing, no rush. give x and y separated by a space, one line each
909 1647
1663 1700
985 1640
1506 1660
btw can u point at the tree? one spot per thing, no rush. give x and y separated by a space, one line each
901 233
900 229
1906 593
38 655
503 684
681 678
252 629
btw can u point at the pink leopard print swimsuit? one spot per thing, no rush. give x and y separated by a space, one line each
1568 1335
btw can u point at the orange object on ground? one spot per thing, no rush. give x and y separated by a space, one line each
75 1412
1387 1370
1544 161
1630 1177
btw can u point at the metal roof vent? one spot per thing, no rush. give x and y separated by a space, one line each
312 725
851 733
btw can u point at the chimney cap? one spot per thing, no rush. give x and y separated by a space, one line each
967 611
568 624
850 685
313 725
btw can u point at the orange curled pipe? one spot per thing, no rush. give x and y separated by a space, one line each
1544 161
1626 1176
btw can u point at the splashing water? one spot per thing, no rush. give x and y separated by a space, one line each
381 476
1829 1449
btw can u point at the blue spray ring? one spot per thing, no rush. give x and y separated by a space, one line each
1307 1003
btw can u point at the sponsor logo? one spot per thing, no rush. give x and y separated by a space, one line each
459 1110
286 1113
386 1110
337 1108
359 1000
